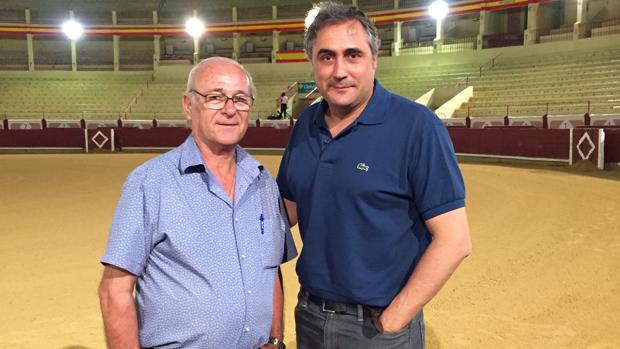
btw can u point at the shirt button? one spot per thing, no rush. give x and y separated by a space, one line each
249 291
246 329
243 256
326 141
236 219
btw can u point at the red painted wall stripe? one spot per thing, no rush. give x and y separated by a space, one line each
381 17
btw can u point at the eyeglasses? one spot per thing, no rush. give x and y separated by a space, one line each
217 101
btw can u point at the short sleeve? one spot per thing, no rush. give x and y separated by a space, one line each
282 179
128 243
438 185
290 250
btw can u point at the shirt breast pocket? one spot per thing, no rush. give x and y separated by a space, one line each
271 243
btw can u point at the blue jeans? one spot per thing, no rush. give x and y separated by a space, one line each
318 328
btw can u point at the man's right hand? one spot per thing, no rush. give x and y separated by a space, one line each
118 308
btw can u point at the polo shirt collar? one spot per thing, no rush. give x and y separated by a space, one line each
191 161
373 113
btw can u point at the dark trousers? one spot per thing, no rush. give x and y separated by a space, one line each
282 111
320 327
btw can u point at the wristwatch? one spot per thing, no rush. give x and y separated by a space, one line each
277 342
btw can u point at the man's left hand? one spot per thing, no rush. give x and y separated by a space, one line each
269 346
387 325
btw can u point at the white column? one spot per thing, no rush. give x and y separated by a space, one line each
438 41
73 50
236 46
397 42
196 55
482 29
115 45
275 44
236 36
29 43
156 44
275 35
530 36
579 28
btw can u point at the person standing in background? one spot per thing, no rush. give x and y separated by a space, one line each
283 102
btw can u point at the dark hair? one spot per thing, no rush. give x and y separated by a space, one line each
334 13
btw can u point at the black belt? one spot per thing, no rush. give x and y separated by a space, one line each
343 308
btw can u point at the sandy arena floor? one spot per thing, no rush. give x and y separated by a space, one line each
544 273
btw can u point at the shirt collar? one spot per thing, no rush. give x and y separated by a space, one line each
191 161
248 163
373 113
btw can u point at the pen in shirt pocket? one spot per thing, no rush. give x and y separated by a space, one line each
261 218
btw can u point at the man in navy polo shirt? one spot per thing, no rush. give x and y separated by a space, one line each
372 179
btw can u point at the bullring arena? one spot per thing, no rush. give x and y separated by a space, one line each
544 272
528 90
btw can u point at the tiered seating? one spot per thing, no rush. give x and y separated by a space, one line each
159 100
65 95
271 80
563 83
412 82
162 98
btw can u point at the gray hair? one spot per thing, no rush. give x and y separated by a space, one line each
204 64
335 13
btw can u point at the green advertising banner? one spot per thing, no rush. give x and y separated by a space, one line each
305 87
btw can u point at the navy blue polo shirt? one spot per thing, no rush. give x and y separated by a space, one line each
363 196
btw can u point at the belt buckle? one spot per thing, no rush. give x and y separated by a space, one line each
332 311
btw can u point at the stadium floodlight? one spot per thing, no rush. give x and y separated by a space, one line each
194 27
311 16
438 10
72 29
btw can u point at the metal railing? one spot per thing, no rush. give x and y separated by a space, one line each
543 108
488 65
603 28
544 35
458 44
502 40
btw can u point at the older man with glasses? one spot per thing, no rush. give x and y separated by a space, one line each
199 234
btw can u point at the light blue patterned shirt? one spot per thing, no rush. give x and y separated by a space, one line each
205 266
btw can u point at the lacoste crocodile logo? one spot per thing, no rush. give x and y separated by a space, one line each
362 167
